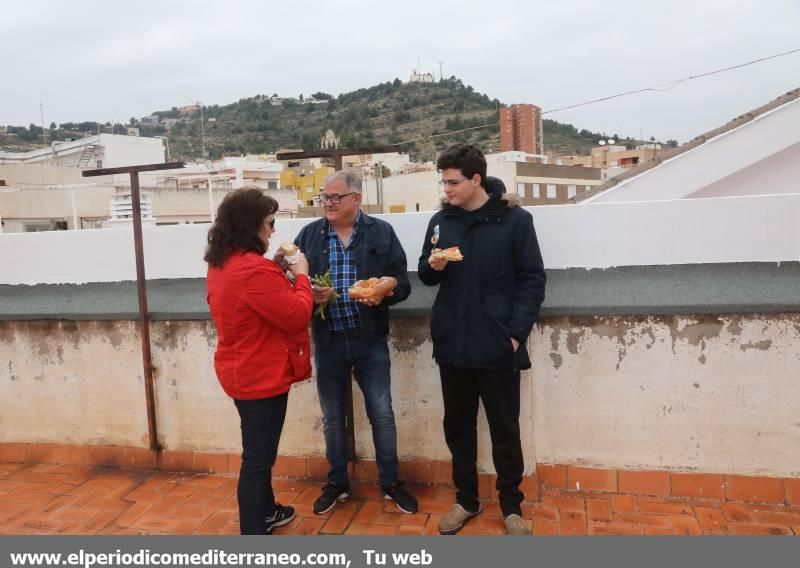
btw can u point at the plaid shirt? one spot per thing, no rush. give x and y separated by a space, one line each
344 312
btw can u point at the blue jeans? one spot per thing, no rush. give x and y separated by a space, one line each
261 423
370 361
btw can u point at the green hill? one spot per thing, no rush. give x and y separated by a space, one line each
429 115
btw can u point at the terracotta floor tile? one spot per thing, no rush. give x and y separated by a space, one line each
432 526
69 499
309 525
712 521
361 529
751 529
542 528
338 522
410 531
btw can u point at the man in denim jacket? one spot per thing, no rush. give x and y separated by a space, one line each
353 335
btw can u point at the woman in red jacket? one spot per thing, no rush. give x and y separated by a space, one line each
262 342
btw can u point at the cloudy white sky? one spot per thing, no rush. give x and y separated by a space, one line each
93 60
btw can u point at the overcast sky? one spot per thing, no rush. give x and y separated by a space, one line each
101 60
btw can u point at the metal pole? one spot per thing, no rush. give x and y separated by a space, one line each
203 131
74 210
210 200
351 427
144 322
166 141
44 132
379 183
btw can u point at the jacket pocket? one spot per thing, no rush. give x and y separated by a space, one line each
442 321
298 349
378 258
498 347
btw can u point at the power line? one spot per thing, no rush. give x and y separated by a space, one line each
674 83
445 134
662 87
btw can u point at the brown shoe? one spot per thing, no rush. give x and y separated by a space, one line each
452 522
516 526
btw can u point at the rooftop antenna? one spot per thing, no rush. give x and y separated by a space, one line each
202 130
441 75
41 115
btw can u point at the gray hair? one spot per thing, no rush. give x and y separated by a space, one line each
352 179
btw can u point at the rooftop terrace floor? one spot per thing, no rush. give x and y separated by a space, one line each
51 499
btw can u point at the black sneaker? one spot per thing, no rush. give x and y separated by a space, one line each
281 516
331 495
402 498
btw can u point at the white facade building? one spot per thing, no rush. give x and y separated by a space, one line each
755 154
97 151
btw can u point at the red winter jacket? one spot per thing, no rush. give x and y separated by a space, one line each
262 326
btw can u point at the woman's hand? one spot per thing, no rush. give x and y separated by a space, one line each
299 267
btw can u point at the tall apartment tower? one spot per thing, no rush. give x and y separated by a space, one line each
521 129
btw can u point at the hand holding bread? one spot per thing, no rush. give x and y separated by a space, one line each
440 257
373 290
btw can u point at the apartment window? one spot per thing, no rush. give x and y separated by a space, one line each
91 223
272 185
551 191
521 189
38 227
571 191
537 192
417 206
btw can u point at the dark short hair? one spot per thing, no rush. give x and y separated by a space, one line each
239 219
464 157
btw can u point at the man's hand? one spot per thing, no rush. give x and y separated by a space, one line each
514 344
371 302
438 263
321 294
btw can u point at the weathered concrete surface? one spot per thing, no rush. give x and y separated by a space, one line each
705 393
692 393
72 383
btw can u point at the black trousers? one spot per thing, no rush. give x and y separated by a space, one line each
499 392
262 423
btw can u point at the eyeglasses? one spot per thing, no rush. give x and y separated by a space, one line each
452 182
335 198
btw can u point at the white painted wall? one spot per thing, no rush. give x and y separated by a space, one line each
778 174
720 157
735 229
131 150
